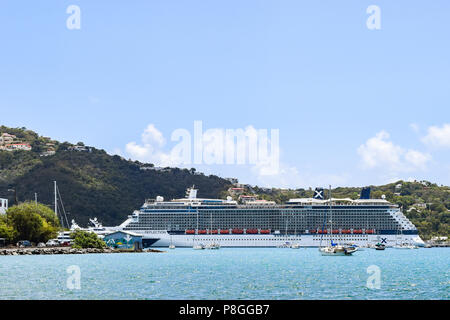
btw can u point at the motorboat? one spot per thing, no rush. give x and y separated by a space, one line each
212 246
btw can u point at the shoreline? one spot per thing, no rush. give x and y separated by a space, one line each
62 250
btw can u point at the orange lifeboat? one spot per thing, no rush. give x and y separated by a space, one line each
190 231
323 231
312 231
237 231
369 231
346 231
224 231
212 231
265 231
251 231
201 231
357 231
335 231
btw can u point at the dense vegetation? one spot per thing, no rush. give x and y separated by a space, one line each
28 221
426 204
93 184
83 239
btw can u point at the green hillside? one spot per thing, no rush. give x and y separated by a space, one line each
92 184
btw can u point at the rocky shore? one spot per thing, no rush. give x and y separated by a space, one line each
55 250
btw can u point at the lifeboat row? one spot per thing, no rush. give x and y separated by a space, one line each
343 231
227 231
267 231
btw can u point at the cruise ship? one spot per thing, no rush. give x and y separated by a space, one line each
305 222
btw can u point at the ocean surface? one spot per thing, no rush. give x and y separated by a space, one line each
230 273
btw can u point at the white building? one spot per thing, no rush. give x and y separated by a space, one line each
18 146
80 148
245 198
6 138
3 205
48 153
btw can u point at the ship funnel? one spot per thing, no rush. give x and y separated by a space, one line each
192 193
365 193
318 194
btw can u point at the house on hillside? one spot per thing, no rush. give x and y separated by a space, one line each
48 153
232 180
80 148
7 138
244 198
18 146
236 191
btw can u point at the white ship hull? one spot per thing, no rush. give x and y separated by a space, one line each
164 239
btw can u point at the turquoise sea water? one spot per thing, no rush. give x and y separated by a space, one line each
230 274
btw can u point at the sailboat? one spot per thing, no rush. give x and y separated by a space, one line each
295 245
403 245
197 246
334 249
63 237
213 245
171 246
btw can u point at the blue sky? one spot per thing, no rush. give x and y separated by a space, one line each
353 106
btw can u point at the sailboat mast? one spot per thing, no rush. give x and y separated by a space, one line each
56 204
331 220
56 199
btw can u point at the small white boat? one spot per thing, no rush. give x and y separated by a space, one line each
380 246
172 246
359 248
198 247
405 246
295 246
213 246
337 250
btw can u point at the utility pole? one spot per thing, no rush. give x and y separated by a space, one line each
15 195
35 198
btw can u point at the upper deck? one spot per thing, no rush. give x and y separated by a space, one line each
192 202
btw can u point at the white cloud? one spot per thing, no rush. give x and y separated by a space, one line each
152 136
417 159
151 148
438 136
380 152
